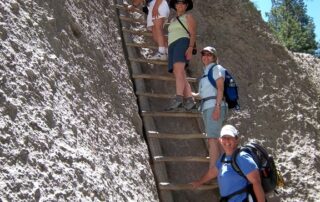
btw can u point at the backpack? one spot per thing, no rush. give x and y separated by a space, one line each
270 177
230 89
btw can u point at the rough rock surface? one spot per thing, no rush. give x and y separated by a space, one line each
69 122
279 91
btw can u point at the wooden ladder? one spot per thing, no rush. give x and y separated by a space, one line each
175 139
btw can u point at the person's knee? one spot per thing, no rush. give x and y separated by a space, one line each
158 23
178 72
213 141
154 33
158 29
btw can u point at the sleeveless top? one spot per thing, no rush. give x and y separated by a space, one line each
176 31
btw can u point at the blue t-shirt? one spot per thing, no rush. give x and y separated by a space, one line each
229 180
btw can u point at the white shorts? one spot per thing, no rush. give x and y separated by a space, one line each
163 10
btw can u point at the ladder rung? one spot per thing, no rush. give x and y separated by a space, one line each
141 45
181 159
142 60
154 134
138 32
165 186
172 114
155 95
134 32
159 77
122 7
159 95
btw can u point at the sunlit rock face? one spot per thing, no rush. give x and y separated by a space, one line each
70 128
279 91
69 122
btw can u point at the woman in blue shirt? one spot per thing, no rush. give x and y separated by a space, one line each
228 179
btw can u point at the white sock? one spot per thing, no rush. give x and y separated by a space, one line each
162 49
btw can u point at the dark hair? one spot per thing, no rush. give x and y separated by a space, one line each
172 4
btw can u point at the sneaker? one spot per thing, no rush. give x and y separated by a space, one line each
189 104
159 56
175 104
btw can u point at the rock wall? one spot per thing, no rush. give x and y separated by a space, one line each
70 129
69 122
279 91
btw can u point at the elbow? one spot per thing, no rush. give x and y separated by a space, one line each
255 181
254 178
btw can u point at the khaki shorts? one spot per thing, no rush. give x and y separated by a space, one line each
163 10
213 127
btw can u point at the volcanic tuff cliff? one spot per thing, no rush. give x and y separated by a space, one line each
70 128
279 91
69 122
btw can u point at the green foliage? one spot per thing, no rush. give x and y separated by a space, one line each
317 52
292 26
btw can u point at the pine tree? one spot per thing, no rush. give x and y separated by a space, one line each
290 23
317 52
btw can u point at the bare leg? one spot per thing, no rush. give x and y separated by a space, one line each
215 150
180 75
154 34
187 90
158 33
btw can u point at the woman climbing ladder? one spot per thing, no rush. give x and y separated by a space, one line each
181 44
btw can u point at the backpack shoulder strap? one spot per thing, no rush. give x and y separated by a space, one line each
210 77
259 148
234 163
238 170
222 158
227 73
183 25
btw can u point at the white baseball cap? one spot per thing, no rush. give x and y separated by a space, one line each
229 130
209 49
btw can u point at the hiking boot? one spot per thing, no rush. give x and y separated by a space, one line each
189 104
175 104
159 56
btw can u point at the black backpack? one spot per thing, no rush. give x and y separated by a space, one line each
270 177
230 89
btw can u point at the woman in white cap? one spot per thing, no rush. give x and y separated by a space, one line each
181 40
233 187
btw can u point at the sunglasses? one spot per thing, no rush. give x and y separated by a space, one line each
207 54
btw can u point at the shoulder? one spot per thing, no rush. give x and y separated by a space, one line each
246 162
244 156
189 16
220 67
